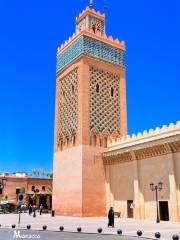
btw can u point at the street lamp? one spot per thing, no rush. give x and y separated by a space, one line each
156 188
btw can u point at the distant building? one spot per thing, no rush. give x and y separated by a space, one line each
21 182
20 174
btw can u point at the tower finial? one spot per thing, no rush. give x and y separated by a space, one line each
91 4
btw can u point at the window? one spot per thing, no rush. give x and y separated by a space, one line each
33 188
100 142
112 92
43 188
61 145
1 191
97 88
74 141
105 142
17 191
94 140
63 97
94 28
73 89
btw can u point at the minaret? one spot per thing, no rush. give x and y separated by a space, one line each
90 110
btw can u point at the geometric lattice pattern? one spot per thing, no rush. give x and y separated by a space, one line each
104 108
90 47
68 106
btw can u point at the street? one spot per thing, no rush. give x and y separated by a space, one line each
129 227
48 235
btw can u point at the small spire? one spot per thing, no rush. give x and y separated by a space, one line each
91 4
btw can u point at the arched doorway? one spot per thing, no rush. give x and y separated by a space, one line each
43 201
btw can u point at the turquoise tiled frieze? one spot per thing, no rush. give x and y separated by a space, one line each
90 47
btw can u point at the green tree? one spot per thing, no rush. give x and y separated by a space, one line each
33 198
50 175
49 191
5 197
22 190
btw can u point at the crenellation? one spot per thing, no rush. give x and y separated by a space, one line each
146 134
109 39
139 135
151 131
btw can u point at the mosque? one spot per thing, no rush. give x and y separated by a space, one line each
96 163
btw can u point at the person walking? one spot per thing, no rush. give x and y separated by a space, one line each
41 209
111 217
34 211
30 209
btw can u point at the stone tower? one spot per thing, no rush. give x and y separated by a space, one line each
90 110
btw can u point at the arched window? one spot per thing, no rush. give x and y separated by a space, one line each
43 188
94 140
97 88
94 28
74 140
101 142
67 142
112 92
63 97
105 142
61 145
73 89
33 188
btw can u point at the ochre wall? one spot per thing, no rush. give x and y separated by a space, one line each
121 185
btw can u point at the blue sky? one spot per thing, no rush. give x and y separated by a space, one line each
31 31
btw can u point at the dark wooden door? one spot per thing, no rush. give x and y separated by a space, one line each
130 212
164 210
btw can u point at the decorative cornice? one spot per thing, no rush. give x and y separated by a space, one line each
115 159
91 47
145 151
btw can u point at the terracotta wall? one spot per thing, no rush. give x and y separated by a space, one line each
11 185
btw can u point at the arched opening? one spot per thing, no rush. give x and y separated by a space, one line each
105 142
112 92
73 89
97 88
74 140
61 145
63 97
94 28
101 142
94 140
67 142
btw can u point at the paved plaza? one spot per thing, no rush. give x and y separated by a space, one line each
89 225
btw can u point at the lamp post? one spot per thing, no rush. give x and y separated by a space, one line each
156 188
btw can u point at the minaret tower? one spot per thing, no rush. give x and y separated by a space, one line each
90 110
